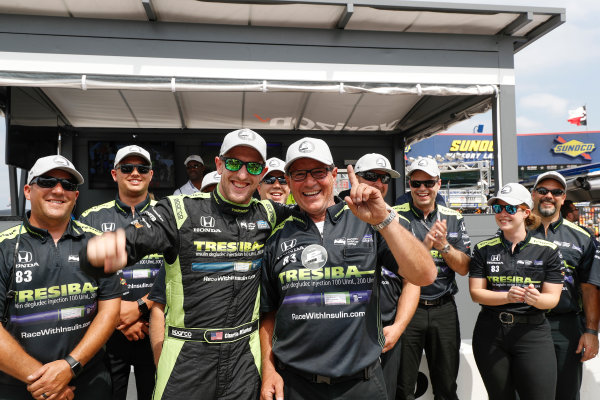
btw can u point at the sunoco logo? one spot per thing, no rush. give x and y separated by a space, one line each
24 257
574 148
207 222
181 334
381 162
288 244
108 226
246 134
306 147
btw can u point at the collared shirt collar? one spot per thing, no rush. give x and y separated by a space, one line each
333 213
229 207
419 214
126 210
43 235
508 244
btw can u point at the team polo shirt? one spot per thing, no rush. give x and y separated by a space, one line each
325 291
55 301
534 261
456 235
577 249
115 214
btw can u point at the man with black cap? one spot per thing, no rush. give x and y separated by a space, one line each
574 330
194 167
212 244
399 298
435 326
56 318
321 334
130 344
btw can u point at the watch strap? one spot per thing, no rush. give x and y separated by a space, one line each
386 221
446 248
75 365
143 307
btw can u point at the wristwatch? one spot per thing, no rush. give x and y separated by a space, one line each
446 248
76 366
386 221
143 307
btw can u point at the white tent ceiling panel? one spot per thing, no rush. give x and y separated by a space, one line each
29 108
201 12
537 20
367 18
328 111
203 110
98 108
117 9
379 112
53 8
153 109
296 15
275 104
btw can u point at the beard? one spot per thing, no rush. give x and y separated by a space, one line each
546 212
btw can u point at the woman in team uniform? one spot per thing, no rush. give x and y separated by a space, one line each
515 278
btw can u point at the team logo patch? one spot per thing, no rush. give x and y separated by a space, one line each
246 134
506 189
381 162
24 256
306 147
495 257
288 244
453 234
422 163
339 241
314 256
74 257
368 238
538 262
262 224
207 222
61 160
108 226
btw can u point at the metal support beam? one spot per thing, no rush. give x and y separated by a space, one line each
505 137
540 31
22 199
399 165
149 8
519 22
346 15
14 190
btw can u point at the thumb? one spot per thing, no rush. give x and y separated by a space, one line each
279 390
579 347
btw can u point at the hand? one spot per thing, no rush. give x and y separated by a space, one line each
272 386
134 332
108 250
130 312
436 237
50 379
589 342
532 295
366 201
392 333
516 294
65 394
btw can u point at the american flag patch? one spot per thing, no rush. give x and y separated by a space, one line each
216 336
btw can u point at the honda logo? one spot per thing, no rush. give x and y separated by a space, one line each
108 226
288 244
207 222
25 256
495 257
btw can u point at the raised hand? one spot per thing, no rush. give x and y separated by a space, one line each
108 251
365 201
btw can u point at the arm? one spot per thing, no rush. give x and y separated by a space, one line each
130 311
54 376
407 305
14 360
482 295
414 261
455 258
272 383
591 308
157 330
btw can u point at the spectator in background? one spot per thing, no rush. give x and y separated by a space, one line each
210 182
194 167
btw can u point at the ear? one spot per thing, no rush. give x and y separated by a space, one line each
27 192
219 165
151 173
334 172
113 172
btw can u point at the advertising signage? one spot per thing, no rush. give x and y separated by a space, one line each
562 148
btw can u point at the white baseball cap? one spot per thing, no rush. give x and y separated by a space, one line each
132 150
48 163
275 164
374 161
244 137
308 147
513 194
193 157
210 179
427 165
551 175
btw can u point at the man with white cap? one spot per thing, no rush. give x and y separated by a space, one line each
194 167
274 186
130 345
575 337
434 326
56 318
399 298
210 182
212 244
321 335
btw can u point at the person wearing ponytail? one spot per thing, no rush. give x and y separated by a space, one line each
516 278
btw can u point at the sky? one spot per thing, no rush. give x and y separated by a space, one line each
556 73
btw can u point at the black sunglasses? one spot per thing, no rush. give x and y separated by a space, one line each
128 168
555 192
317 173
512 210
193 166
233 165
48 182
373 176
428 183
271 180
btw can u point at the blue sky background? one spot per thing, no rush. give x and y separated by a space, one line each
554 74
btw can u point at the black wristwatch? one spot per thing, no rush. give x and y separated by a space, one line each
143 307
76 366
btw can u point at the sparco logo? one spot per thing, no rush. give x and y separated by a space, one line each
179 210
381 162
25 256
207 222
246 134
181 334
108 226
495 257
306 147
288 244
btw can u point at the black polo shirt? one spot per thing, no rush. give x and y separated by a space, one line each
56 301
456 235
112 215
534 261
577 249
